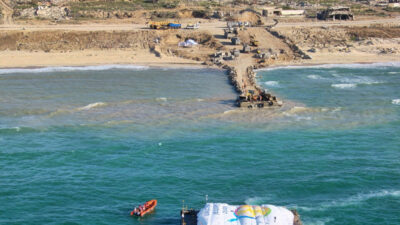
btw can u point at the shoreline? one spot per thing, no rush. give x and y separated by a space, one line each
141 57
177 65
25 59
328 65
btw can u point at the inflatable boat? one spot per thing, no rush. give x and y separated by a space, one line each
145 208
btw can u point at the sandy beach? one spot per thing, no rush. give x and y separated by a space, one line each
14 59
286 44
33 55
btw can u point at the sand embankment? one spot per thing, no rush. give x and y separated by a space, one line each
71 45
14 59
72 48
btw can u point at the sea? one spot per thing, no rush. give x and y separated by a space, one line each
84 145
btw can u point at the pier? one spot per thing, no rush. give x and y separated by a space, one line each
189 217
248 49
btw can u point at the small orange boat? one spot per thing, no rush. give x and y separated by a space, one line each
144 209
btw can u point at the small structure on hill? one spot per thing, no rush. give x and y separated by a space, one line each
271 11
246 48
235 41
394 4
293 12
279 12
336 13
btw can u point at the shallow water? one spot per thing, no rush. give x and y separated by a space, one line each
83 146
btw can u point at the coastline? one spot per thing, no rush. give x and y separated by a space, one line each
24 59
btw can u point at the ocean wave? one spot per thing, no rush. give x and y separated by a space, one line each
272 83
229 111
318 221
163 99
17 129
351 201
393 72
92 105
354 65
396 101
315 77
344 86
257 200
357 199
72 68
359 80
336 109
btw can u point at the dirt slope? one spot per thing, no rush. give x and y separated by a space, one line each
7 12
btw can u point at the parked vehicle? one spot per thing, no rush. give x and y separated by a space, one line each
193 26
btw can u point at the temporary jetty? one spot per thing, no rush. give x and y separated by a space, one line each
252 96
222 213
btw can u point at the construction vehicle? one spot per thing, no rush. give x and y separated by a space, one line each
193 26
158 25
253 41
174 25
164 25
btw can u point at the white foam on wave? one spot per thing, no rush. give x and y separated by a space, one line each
352 200
318 221
272 83
92 105
72 68
344 86
315 77
393 72
336 109
359 80
354 65
229 111
162 99
396 101
258 200
357 199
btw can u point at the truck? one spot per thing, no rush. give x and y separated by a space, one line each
174 25
193 26
158 25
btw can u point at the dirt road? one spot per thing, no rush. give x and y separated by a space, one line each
213 27
7 13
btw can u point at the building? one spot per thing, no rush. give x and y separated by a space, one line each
394 3
336 13
271 11
293 13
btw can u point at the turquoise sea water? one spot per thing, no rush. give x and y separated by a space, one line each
84 145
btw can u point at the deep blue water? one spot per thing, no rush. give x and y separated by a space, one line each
83 146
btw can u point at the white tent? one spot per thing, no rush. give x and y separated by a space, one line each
187 43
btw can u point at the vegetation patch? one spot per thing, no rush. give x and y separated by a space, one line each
200 14
116 5
392 9
357 33
164 15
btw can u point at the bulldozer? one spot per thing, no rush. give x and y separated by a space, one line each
158 25
253 41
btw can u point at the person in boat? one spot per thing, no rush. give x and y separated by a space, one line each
141 209
136 211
